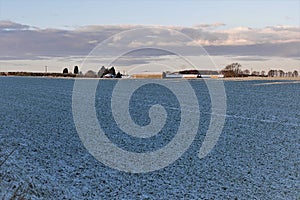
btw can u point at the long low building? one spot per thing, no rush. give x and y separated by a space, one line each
150 75
195 74
212 76
182 76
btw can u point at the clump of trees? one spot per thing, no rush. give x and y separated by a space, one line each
75 71
108 73
65 71
102 73
281 73
232 70
90 74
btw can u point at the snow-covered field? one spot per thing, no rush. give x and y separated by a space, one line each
256 157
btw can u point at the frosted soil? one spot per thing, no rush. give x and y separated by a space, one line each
256 157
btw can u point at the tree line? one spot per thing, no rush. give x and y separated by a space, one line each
234 70
231 70
102 73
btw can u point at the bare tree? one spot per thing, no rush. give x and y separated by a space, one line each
271 73
255 73
76 70
65 71
232 70
90 74
281 73
246 72
295 73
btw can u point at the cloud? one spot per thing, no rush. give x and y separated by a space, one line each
26 42
9 25
288 18
265 49
205 26
248 36
251 58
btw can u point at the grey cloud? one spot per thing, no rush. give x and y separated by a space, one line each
280 50
9 25
285 28
211 37
128 62
214 25
24 42
251 58
148 52
31 43
24 58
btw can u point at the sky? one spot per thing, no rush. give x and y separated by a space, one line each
259 34
73 13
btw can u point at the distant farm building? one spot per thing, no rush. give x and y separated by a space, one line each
195 74
150 75
210 74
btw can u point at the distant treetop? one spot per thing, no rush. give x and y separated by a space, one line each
76 70
65 71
